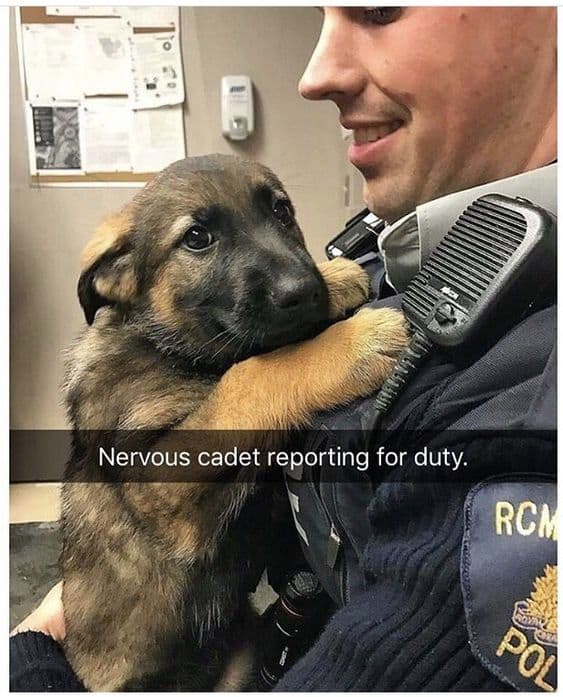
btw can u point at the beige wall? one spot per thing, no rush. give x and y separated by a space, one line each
49 226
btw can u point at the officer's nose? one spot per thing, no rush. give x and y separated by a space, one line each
334 71
292 294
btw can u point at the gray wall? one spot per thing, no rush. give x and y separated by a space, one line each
49 226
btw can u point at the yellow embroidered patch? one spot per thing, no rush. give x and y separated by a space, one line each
509 579
525 518
539 611
537 614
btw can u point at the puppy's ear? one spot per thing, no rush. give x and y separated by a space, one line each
108 276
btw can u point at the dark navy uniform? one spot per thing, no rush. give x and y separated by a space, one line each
444 583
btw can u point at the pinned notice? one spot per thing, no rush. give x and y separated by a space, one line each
52 56
156 70
82 11
157 138
156 16
105 56
106 124
54 138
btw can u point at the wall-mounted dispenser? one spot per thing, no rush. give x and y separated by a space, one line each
237 107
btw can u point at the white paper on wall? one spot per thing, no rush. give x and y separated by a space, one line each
106 67
53 133
157 138
156 16
106 126
83 11
157 78
51 54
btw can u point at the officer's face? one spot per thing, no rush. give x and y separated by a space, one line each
441 98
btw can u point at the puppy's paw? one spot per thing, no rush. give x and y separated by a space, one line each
378 338
380 331
348 285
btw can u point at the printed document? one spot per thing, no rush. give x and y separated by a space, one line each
157 78
157 138
106 125
52 57
105 56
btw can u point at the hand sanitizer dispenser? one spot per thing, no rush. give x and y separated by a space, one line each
237 108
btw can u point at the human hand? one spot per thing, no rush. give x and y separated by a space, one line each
48 617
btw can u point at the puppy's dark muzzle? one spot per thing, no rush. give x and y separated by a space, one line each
297 307
293 296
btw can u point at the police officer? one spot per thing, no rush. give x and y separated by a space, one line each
442 584
440 579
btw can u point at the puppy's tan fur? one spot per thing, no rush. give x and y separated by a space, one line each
146 564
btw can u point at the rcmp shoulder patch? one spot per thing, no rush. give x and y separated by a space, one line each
509 579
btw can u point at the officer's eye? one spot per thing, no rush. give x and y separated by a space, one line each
197 238
381 15
282 211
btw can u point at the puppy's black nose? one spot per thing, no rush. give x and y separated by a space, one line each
294 293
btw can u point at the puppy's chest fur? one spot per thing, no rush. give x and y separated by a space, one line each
117 382
116 379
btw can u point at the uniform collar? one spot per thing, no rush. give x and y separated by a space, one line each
406 245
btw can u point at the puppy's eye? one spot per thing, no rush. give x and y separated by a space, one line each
282 211
198 238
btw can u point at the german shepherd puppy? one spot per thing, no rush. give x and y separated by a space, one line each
190 291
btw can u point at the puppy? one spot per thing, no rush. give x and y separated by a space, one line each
190 291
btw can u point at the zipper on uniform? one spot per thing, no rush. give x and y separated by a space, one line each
334 516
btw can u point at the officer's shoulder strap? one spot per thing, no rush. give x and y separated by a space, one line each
436 217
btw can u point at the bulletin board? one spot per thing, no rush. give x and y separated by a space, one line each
39 111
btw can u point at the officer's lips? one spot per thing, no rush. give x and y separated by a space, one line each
371 141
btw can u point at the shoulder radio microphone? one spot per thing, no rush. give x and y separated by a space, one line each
494 266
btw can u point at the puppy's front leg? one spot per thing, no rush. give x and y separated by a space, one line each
347 283
258 400
283 389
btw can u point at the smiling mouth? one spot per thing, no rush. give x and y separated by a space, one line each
371 134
